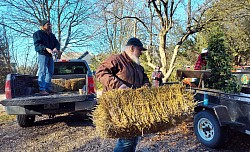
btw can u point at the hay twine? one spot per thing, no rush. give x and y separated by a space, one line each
129 113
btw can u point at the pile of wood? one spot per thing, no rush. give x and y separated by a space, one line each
129 113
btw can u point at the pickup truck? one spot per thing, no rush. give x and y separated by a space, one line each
24 101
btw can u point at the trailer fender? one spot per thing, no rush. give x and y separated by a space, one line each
220 111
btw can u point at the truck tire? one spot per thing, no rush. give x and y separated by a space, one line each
25 120
207 129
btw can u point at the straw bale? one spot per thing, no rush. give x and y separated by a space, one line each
75 84
129 113
68 85
58 85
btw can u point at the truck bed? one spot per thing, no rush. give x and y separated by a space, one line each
24 99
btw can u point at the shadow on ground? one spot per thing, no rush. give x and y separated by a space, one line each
69 120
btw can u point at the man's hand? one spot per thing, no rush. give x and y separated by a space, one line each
123 86
49 50
55 51
147 85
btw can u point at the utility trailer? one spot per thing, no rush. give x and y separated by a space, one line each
224 111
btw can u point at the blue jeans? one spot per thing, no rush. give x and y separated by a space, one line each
45 72
126 145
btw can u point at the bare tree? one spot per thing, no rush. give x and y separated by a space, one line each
4 50
5 58
166 13
163 16
69 17
117 30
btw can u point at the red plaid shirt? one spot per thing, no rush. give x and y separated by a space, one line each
200 63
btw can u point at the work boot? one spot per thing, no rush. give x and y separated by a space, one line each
43 92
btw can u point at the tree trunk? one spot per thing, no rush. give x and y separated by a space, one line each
162 46
174 56
171 67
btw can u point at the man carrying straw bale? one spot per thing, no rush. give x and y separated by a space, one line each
123 71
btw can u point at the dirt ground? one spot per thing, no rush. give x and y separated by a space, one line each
77 134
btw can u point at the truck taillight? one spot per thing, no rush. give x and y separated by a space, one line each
8 87
91 85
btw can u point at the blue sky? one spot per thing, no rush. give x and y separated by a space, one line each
23 44
26 43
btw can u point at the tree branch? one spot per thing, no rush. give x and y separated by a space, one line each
22 32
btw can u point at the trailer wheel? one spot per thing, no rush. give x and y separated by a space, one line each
207 129
25 120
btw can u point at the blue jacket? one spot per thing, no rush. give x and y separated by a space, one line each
42 40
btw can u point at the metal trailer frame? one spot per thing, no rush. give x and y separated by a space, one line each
231 110
223 111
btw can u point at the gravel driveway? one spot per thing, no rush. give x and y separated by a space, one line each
76 134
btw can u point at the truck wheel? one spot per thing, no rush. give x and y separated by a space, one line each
207 129
25 120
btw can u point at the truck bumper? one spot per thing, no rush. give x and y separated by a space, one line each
53 108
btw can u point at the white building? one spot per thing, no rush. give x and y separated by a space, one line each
87 56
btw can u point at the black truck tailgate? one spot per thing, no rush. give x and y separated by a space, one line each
38 100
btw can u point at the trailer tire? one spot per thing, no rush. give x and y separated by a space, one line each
25 120
207 129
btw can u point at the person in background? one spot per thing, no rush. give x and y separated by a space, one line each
46 45
157 77
201 64
122 71
202 60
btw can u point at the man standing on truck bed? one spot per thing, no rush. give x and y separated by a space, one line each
45 44
124 71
